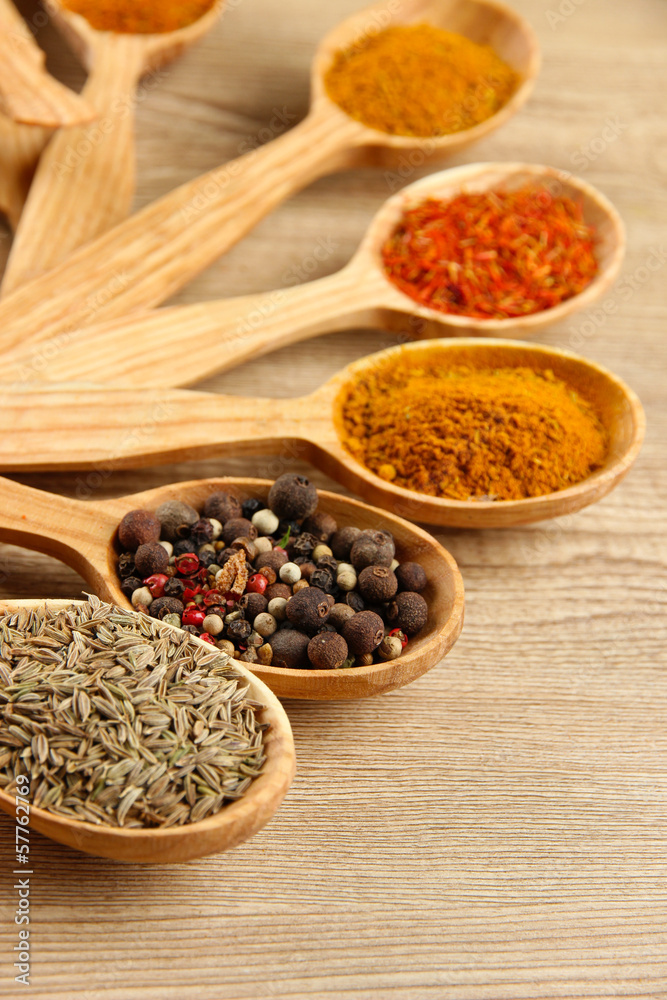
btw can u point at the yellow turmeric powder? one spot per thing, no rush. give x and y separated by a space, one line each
419 80
139 17
466 433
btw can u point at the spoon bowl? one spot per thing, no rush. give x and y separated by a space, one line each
83 535
146 350
159 249
232 825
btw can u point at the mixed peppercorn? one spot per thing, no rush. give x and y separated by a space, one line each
278 583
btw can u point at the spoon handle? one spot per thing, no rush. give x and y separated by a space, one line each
77 426
147 258
69 530
150 350
28 93
85 180
20 148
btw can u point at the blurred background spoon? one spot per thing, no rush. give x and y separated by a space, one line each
147 349
29 94
166 244
85 180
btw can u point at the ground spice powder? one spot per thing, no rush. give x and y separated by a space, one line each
139 17
419 80
492 255
465 433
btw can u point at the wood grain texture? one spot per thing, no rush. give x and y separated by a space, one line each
496 830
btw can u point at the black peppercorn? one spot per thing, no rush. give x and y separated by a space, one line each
321 525
323 579
201 531
342 541
411 576
162 606
126 565
239 630
138 527
151 558
174 587
184 546
372 548
304 545
327 651
130 584
192 629
207 558
289 648
238 527
293 527
293 497
308 609
253 605
250 507
363 632
328 562
222 506
377 584
354 600
409 611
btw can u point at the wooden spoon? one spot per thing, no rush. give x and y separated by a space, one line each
68 426
235 823
150 256
147 349
85 181
28 93
20 149
83 535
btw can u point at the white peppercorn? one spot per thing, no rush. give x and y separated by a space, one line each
265 521
347 580
213 624
265 624
263 544
142 595
290 573
168 547
217 528
320 551
277 607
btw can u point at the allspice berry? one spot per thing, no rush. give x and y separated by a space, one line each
162 606
138 527
411 576
363 632
276 558
253 605
222 506
278 590
289 648
377 584
342 541
176 518
150 558
238 527
321 525
327 651
409 612
308 609
339 614
293 497
372 548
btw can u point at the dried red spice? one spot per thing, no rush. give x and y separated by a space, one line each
494 255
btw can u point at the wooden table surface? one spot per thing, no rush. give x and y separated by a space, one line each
498 828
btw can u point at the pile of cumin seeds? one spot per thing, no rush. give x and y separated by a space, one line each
121 721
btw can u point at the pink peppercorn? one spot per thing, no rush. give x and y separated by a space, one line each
155 584
193 616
